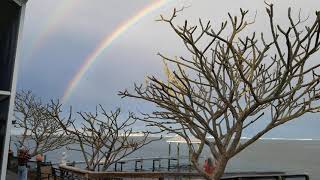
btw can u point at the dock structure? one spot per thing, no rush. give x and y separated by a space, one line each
156 163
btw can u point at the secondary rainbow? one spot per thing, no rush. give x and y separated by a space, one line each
52 24
106 42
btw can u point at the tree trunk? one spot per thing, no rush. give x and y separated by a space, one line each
219 171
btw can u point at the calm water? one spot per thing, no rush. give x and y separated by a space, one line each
265 155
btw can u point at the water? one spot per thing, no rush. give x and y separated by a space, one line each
280 155
296 156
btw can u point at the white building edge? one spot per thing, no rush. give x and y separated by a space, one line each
11 25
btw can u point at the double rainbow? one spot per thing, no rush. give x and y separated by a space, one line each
106 42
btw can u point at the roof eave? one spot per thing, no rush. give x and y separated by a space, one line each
20 2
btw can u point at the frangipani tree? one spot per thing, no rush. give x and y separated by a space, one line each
233 81
40 133
101 137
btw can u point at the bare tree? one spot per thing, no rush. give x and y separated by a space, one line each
40 132
102 138
232 81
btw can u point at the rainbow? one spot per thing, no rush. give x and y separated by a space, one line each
106 42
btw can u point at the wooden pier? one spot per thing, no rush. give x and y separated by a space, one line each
163 162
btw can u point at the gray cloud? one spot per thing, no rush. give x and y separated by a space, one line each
79 29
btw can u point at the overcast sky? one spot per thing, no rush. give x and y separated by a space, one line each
60 34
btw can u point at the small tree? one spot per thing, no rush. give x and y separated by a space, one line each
40 132
102 138
232 80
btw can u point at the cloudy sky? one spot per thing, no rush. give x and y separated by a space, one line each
59 35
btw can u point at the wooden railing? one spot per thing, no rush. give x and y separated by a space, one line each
92 175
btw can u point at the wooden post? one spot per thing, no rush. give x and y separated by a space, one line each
121 165
152 165
38 170
54 173
141 164
189 161
135 165
169 156
62 173
178 154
